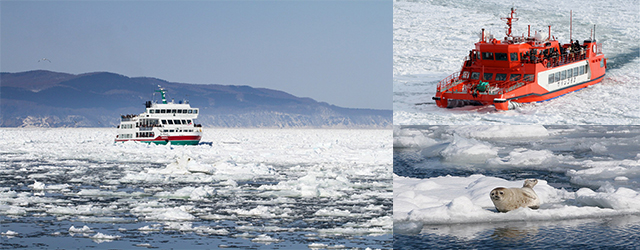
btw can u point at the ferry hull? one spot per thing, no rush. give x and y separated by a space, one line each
501 102
174 140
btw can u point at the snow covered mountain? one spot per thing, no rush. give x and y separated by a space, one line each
51 99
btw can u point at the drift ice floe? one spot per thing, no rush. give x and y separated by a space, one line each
505 73
162 123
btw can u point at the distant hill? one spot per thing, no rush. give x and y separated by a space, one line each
51 99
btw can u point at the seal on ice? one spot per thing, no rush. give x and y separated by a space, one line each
507 199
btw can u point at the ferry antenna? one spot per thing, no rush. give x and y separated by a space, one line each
510 21
570 25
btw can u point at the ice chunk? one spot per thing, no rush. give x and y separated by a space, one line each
466 150
37 186
451 200
10 234
263 238
100 237
501 131
83 229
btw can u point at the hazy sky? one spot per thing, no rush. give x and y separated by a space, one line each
338 52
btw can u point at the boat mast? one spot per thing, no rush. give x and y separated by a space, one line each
570 25
162 91
510 20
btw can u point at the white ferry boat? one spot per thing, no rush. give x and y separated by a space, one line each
162 123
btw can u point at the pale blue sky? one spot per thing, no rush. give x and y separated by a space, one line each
338 52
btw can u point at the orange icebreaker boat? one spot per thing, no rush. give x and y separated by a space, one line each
518 70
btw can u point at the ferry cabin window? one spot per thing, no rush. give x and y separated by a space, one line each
557 77
188 121
551 78
170 122
569 73
162 111
575 71
563 75
487 56
173 111
586 68
465 75
190 111
475 75
164 121
529 77
184 122
184 111
501 56
195 111
150 111
488 76
176 122
179 111
515 77
581 70
501 77
514 56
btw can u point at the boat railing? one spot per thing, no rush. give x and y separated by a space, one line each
494 88
145 128
449 81
126 118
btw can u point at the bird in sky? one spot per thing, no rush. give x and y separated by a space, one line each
44 59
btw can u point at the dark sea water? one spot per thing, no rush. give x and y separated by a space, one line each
601 233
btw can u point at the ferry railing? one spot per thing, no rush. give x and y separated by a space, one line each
451 80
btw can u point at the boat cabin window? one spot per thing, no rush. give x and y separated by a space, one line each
188 121
515 77
173 111
581 70
184 122
150 111
501 77
501 56
475 75
164 121
557 76
190 111
184 111
170 122
162 111
487 55
575 71
514 57
488 76
563 75
179 111
551 78
177 122
195 111
529 77
465 75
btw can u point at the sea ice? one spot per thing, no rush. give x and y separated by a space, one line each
452 200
